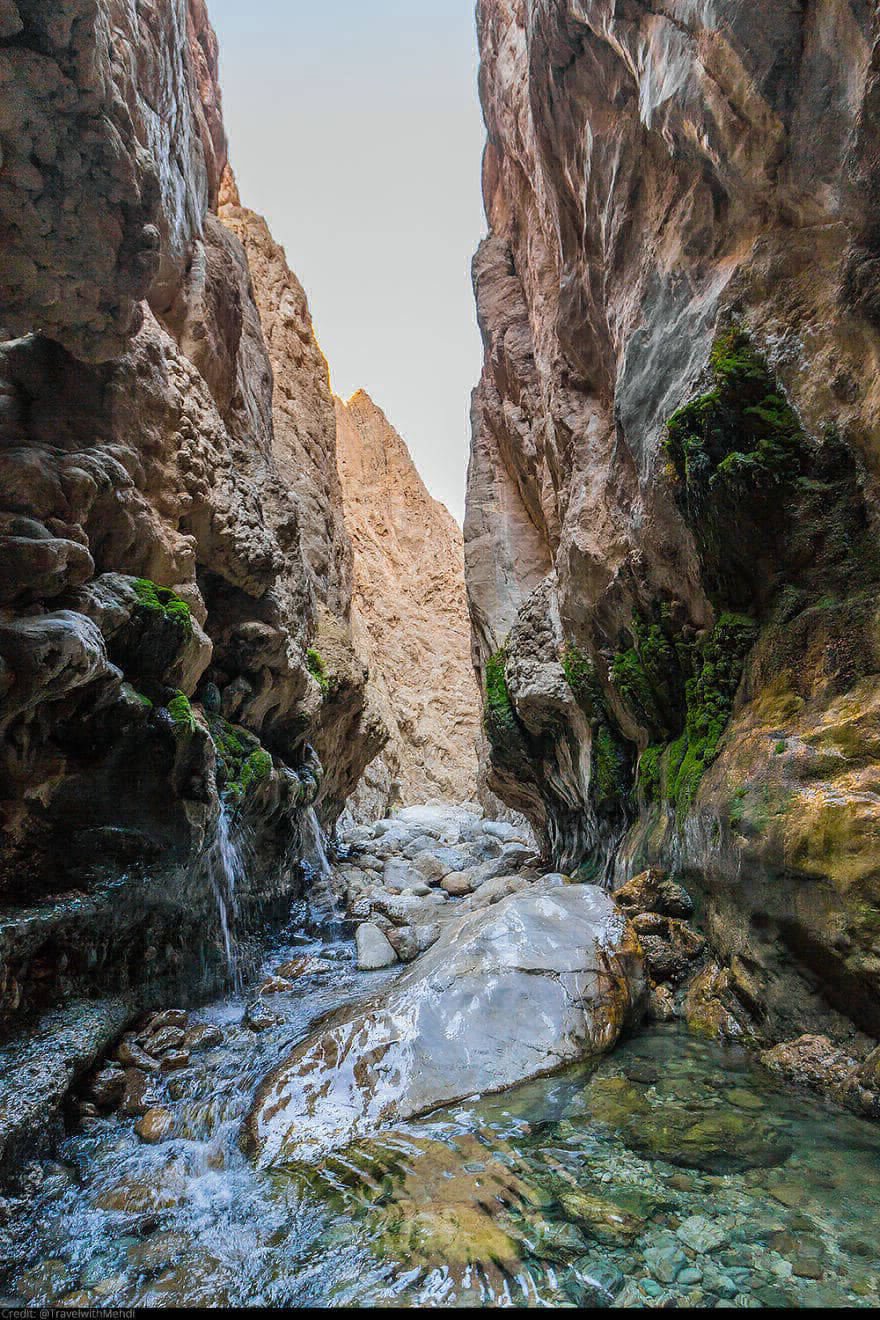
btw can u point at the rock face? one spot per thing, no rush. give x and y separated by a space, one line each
671 524
175 644
410 617
545 976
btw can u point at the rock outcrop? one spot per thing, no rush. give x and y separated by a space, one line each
410 617
175 643
671 522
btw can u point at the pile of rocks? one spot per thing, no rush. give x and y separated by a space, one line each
658 910
405 875
133 1082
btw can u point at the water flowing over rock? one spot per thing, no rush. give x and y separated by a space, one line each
670 538
545 976
410 617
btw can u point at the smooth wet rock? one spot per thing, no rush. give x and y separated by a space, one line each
156 1125
130 1055
257 1017
308 965
140 1093
159 1042
653 891
701 1234
409 941
202 1036
169 1017
174 1060
546 976
106 1086
373 949
602 1220
274 985
684 1132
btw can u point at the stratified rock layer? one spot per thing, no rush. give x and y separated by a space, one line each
175 581
671 518
410 617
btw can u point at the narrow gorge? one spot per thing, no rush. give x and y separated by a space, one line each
396 913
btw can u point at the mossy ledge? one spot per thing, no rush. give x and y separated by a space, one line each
164 601
242 763
318 670
500 722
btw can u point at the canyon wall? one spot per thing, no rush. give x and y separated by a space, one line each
410 618
175 576
671 530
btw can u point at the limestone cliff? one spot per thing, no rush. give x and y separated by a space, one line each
671 524
175 581
410 617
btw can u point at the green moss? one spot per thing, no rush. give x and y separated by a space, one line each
709 696
242 763
164 601
318 670
181 712
610 763
132 694
737 451
581 676
255 769
649 676
780 747
740 433
499 718
610 770
649 772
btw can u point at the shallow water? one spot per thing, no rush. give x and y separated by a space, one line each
673 1171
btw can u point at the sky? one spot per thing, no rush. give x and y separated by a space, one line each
354 128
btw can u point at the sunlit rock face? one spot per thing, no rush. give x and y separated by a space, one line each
671 517
174 633
410 617
509 991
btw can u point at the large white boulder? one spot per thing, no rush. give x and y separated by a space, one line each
549 974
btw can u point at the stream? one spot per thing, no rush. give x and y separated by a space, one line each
671 1172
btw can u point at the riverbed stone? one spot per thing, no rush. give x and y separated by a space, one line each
130 1055
201 1036
139 1094
106 1086
701 1234
409 941
373 949
156 1125
546 976
459 883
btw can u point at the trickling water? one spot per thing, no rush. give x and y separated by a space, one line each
225 868
323 898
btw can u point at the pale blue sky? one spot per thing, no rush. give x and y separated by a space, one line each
355 129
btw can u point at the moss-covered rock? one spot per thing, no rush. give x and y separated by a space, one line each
164 601
502 727
242 763
318 670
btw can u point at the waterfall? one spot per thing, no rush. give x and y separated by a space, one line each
317 868
225 873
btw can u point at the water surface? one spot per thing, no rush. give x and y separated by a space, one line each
672 1172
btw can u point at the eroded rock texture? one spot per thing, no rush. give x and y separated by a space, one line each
671 529
410 617
174 576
